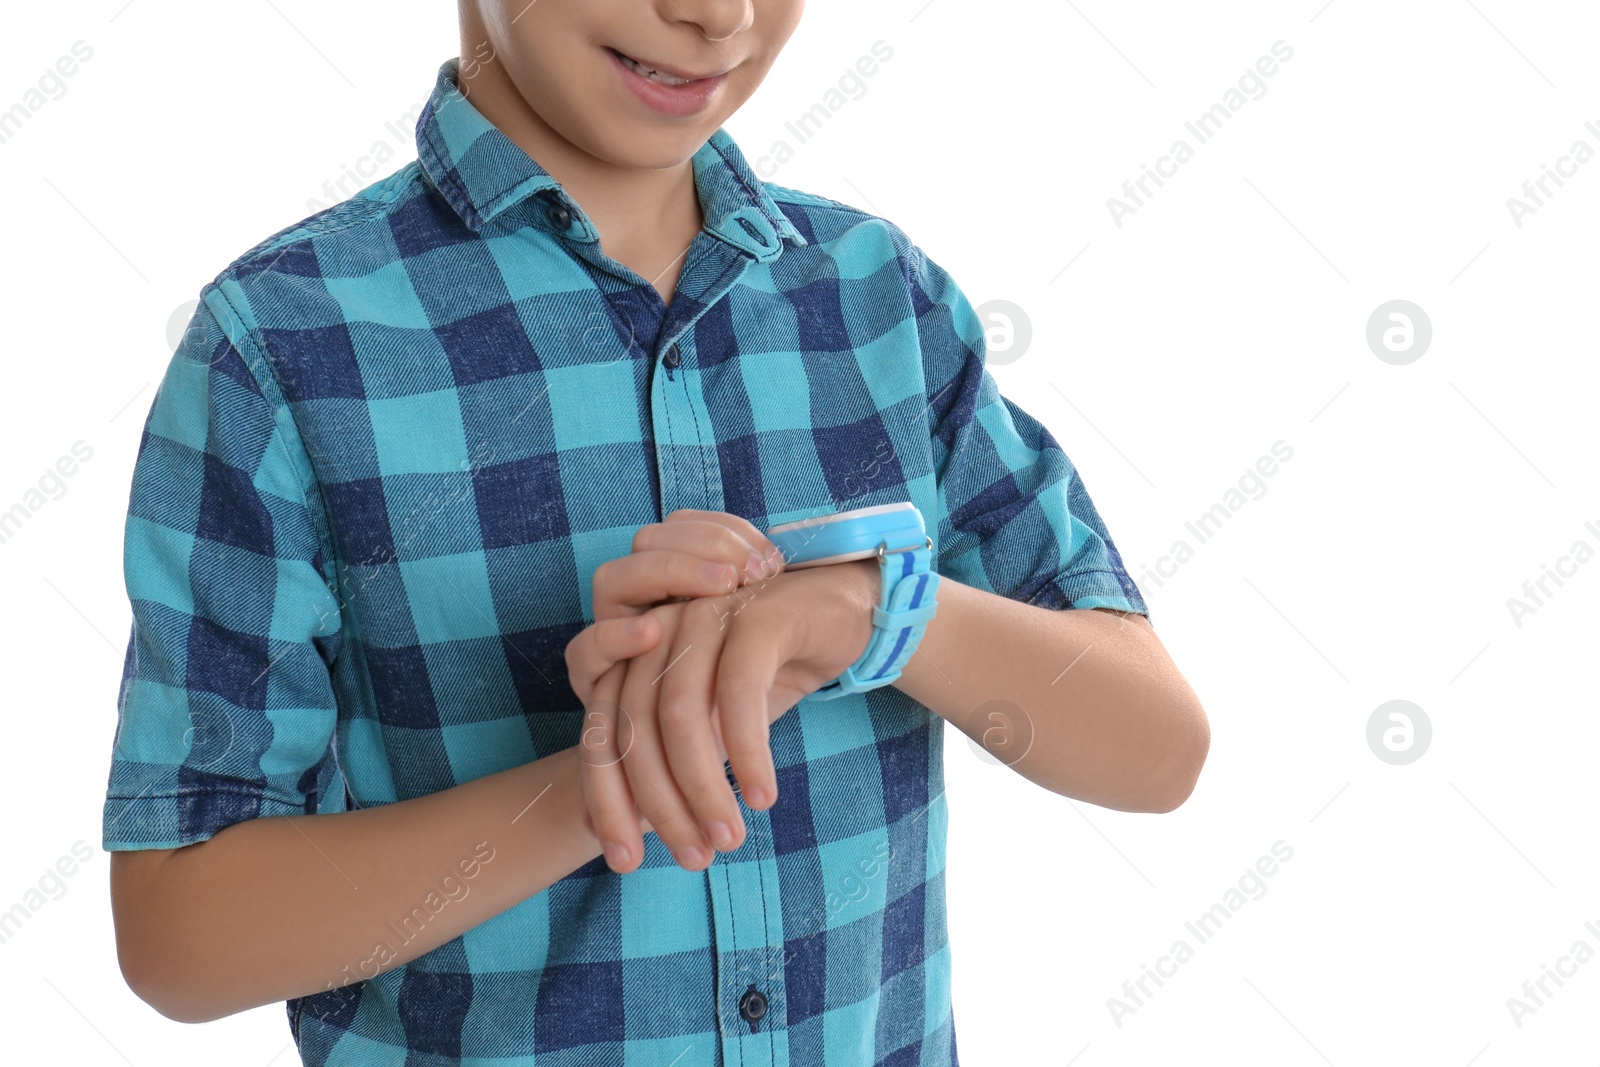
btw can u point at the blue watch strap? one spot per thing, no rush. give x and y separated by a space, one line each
907 601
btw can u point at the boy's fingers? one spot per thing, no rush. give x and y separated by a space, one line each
688 558
712 533
654 790
716 728
609 809
683 710
745 671
600 742
631 584
600 645
613 816
746 529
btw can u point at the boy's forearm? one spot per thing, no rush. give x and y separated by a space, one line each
1097 710
280 907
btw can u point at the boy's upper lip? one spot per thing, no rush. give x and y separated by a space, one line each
668 68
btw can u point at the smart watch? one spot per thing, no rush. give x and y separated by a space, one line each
896 536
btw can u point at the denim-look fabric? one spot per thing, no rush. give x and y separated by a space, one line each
372 491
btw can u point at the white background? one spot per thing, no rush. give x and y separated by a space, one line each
1167 355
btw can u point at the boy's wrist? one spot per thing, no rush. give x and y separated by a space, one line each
893 537
561 797
845 619
865 588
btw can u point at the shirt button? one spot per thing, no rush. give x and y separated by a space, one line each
753 1006
558 215
673 357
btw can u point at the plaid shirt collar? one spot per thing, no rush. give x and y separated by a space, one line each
482 173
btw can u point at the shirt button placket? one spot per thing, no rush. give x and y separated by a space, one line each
748 942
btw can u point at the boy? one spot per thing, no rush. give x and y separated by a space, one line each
419 462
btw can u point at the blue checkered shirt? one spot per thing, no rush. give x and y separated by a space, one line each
394 445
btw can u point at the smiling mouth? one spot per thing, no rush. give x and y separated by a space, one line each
646 71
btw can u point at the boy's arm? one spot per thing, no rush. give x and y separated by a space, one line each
237 879
1093 706
273 908
1081 702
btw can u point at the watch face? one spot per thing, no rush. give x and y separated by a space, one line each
849 535
844 516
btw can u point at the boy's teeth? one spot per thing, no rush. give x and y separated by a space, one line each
653 75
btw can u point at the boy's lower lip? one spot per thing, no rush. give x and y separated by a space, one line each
669 99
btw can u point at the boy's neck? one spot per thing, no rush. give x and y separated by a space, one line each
646 217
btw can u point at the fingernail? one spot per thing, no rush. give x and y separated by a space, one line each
616 855
754 796
636 625
714 572
757 565
720 835
691 856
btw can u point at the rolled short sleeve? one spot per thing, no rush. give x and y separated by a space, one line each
226 709
1014 515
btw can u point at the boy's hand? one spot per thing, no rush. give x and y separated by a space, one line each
724 669
693 553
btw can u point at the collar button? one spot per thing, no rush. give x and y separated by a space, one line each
559 214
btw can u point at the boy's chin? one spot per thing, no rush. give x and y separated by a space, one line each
646 145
